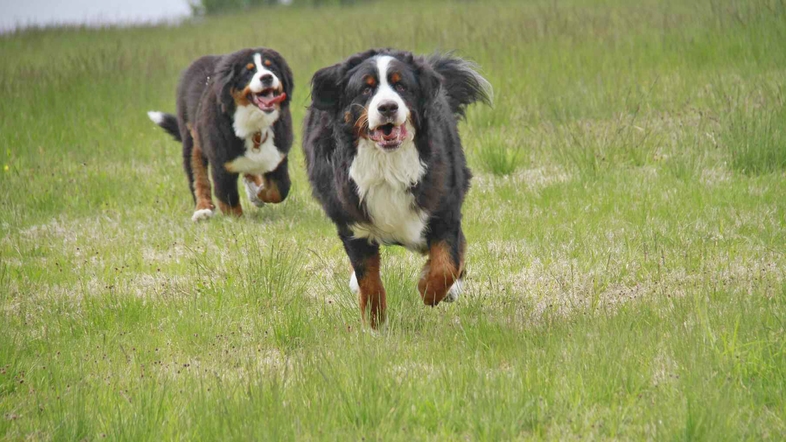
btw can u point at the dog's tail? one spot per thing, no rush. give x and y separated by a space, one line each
462 82
168 122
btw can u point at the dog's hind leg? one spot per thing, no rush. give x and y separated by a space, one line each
188 151
200 183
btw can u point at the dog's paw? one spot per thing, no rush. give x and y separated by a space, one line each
251 191
353 284
455 291
201 214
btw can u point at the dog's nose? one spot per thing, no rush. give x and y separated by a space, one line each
266 79
388 109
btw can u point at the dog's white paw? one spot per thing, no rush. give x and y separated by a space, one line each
201 214
353 284
251 191
455 291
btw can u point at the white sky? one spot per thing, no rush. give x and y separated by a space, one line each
42 12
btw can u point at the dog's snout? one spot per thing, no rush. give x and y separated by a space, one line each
388 109
266 79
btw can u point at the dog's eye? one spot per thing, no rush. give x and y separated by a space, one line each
400 87
367 90
250 66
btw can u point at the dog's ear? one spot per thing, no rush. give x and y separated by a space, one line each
327 85
326 88
223 79
287 80
429 80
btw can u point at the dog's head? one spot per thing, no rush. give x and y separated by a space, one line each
256 78
379 95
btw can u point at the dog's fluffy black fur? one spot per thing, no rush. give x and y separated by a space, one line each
214 94
434 91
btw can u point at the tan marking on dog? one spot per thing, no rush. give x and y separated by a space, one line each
439 273
370 80
372 290
250 66
226 209
269 192
241 97
395 77
267 63
361 125
256 179
202 192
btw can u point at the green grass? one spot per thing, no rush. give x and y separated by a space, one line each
756 138
625 224
499 152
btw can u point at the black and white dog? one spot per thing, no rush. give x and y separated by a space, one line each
233 114
385 160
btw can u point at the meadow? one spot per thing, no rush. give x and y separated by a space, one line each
626 267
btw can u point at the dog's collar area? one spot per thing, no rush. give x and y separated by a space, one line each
258 140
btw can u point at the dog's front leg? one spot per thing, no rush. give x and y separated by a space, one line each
272 187
366 279
253 185
441 276
226 192
276 184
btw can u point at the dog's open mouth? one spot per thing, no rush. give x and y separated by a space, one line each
388 136
268 99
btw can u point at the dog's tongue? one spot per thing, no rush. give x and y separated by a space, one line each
270 101
392 139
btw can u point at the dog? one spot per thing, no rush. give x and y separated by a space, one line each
385 161
233 115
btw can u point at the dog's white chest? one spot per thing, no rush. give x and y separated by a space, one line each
257 159
383 180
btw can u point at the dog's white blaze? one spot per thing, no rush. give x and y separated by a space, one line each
256 82
383 180
257 161
385 93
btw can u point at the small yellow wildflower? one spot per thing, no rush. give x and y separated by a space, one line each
5 168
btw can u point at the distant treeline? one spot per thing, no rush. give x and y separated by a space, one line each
219 6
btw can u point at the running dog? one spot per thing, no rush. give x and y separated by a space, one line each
233 115
385 160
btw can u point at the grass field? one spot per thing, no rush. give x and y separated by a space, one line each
626 267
